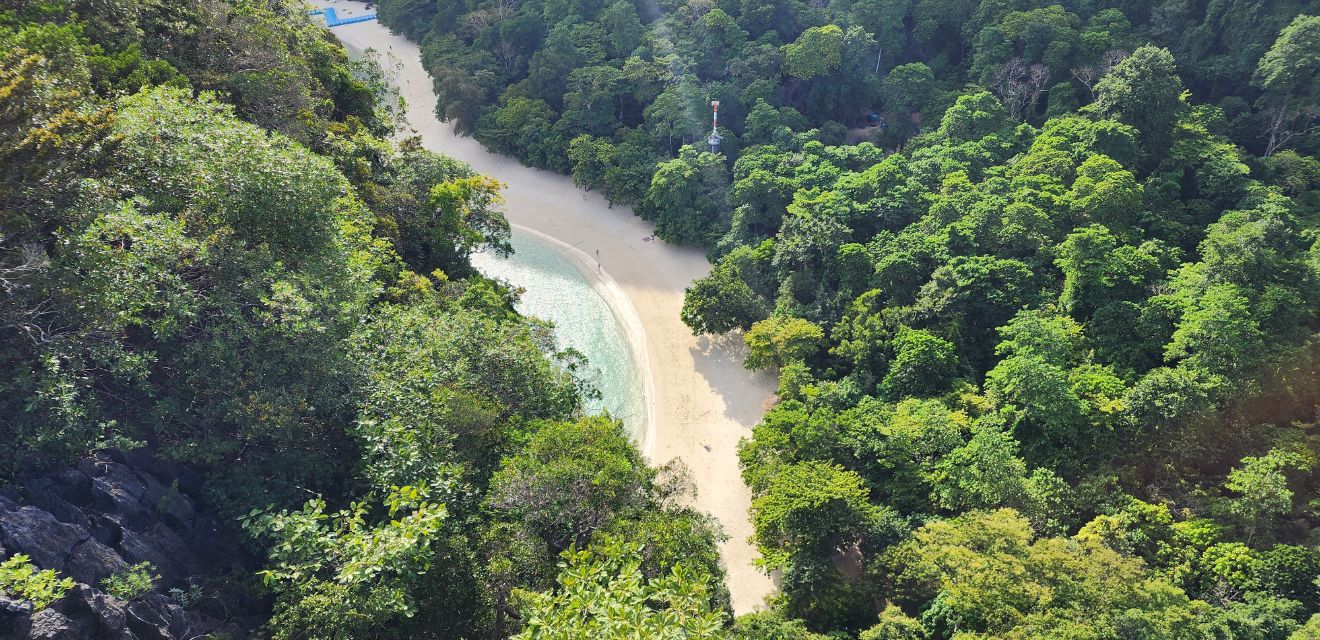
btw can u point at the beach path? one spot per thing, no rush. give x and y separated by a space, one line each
701 401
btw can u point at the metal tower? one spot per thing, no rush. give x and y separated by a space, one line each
714 138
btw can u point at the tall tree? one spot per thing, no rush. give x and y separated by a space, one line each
1144 91
1289 73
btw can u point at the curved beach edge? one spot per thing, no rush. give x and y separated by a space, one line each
625 313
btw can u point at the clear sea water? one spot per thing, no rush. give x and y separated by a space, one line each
555 290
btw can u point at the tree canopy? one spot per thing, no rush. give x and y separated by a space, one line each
211 251
1040 283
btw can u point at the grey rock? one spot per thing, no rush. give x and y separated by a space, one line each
49 624
14 606
105 529
118 493
91 562
14 617
38 534
105 612
170 504
108 512
45 494
110 455
89 468
112 611
163 548
156 618
75 486
56 545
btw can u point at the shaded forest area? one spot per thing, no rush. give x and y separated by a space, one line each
1039 279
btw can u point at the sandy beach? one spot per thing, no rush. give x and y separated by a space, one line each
699 399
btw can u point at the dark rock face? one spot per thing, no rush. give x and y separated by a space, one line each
67 548
112 511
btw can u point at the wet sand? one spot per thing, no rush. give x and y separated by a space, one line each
699 399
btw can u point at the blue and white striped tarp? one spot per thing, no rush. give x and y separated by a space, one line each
332 19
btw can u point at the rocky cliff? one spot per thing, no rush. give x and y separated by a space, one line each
106 514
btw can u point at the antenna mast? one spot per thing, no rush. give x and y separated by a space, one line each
714 138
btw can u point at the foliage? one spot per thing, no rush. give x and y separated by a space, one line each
721 302
769 625
810 506
1286 73
1144 91
447 386
1062 297
571 479
1263 487
686 198
1046 344
340 574
20 579
814 53
602 593
210 248
924 364
984 570
132 582
576 87
777 341
894 625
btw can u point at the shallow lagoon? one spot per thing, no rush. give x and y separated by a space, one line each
555 289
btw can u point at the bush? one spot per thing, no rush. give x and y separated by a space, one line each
21 579
131 583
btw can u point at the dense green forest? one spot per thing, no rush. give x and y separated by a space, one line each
1040 281
605 90
209 250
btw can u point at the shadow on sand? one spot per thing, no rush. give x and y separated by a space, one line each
719 360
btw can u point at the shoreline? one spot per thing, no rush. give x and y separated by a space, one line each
699 400
624 312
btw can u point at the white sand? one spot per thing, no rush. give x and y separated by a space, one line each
700 399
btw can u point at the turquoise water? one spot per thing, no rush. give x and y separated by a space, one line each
555 290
